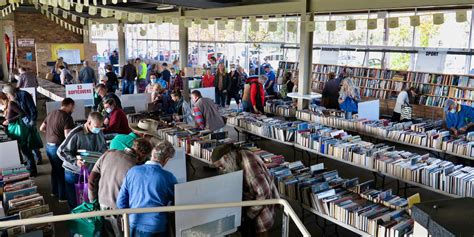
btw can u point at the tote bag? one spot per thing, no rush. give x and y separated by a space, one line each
406 112
18 131
86 227
82 188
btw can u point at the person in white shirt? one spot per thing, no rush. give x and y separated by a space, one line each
403 98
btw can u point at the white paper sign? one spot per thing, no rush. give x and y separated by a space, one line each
177 165
83 92
79 109
138 101
218 189
329 56
369 110
71 56
430 61
10 156
32 92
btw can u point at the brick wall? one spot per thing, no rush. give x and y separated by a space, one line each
39 27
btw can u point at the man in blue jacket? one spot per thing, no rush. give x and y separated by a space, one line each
149 185
459 118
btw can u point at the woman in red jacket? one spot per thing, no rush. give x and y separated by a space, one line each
117 121
208 79
253 98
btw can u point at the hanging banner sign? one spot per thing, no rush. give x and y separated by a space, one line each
430 61
83 92
329 56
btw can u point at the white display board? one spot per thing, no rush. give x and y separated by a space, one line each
139 101
208 92
79 109
32 92
71 56
329 56
369 110
84 92
430 61
10 155
177 165
218 189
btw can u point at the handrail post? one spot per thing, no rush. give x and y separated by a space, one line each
126 225
286 223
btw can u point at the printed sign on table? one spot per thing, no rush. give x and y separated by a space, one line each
83 92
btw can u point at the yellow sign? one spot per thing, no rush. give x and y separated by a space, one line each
55 48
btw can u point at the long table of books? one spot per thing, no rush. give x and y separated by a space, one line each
21 200
430 173
428 135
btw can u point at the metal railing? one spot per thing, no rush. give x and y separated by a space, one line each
288 213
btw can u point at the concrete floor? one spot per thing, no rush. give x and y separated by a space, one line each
310 220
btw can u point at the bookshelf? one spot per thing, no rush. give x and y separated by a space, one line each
374 169
433 88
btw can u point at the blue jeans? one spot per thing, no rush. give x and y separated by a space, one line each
138 233
127 87
247 106
71 179
58 183
348 115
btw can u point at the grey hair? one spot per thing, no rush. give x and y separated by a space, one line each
230 163
162 151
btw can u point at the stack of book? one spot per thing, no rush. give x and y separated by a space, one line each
378 213
203 147
271 160
20 201
280 108
90 157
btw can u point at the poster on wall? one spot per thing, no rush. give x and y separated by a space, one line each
56 48
70 56
29 56
430 61
83 92
329 56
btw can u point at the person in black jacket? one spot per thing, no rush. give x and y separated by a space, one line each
129 73
221 83
235 85
330 93
112 80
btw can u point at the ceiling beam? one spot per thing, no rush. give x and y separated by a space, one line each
292 6
325 6
197 4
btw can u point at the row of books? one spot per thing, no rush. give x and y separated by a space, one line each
338 144
420 133
280 108
21 200
376 212
434 89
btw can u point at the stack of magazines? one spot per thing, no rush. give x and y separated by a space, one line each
21 200
379 213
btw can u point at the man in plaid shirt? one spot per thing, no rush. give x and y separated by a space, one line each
258 184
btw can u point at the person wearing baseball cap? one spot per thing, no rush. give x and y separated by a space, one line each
258 185
459 118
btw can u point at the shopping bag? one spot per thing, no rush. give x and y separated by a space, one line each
406 112
349 105
86 227
82 187
18 131
34 139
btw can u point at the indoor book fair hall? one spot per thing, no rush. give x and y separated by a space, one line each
210 118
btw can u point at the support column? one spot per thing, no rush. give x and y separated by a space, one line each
183 54
86 37
4 51
306 55
121 44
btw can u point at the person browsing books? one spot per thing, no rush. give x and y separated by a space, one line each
258 185
106 178
349 95
102 95
145 128
331 90
206 113
87 137
459 118
57 126
403 99
116 121
149 185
